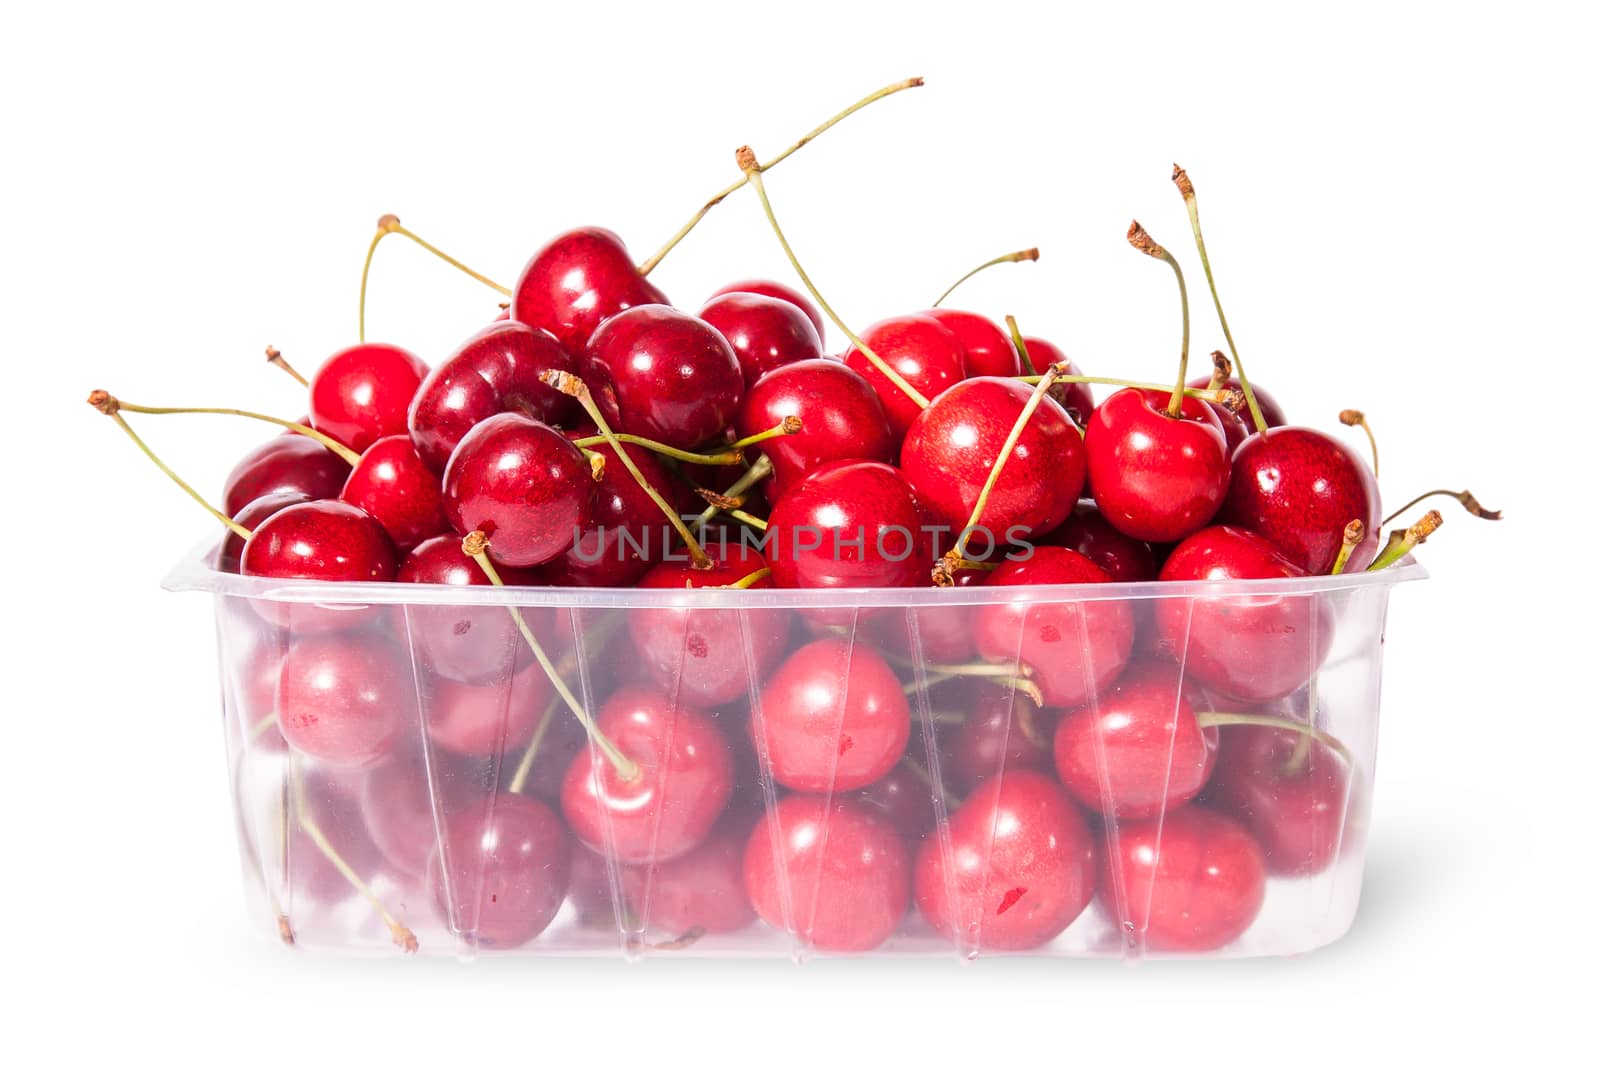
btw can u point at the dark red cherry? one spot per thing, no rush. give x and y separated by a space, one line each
833 717
1155 477
474 643
989 350
1190 880
250 517
1137 749
329 541
834 874
579 279
500 874
701 890
397 489
398 798
841 418
684 779
850 523
1072 649
1018 868
1270 409
905 798
952 446
1125 560
522 483
765 333
496 370
1298 488
626 533
1075 397
363 392
1253 647
1235 428
1294 797
1001 731
923 352
344 699
487 720
660 373
284 465
774 290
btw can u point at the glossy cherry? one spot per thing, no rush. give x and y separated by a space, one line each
627 533
344 699
328 541
989 350
363 392
1298 488
1125 560
500 874
774 290
923 352
250 517
1271 410
396 488
841 418
1296 798
850 523
284 465
701 890
1155 477
1002 731
576 281
1075 397
474 643
765 333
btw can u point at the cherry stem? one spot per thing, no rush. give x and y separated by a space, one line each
655 259
1464 498
745 582
1142 241
745 517
109 405
731 456
389 223
1351 417
573 386
752 171
1232 399
568 665
275 357
1029 255
1221 370
1016 677
308 825
1302 747
253 857
1210 719
1022 347
1186 188
1402 542
1354 532
476 546
348 455
790 424
758 470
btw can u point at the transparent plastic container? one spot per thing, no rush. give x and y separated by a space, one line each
1166 800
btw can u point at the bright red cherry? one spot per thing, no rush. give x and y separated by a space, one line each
1018 869
496 370
1256 647
701 890
850 523
833 717
328 541
475 643
989 350
363 392
397 489
836 874
1074 396
765 333
500 874
284 465
1191 880
685 775
251 516
1125 560
523 484
1155 477
923 352
1137 749
398 797
1298 488
1002 732
344 699
486 720
660 373
774 290
579 279
1295 798
1270 408
841 418
1073 649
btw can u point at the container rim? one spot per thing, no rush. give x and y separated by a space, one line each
195 573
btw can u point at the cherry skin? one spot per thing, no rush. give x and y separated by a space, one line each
1075 396
663 374
524 485
923 352
1234 428
701 890
1256 647
344 700
1138 749
841 418
849 523
474 643
1155 477
397 804
952 446
685 778
1020 866
627 533
1003 733
496 370
284 465
576 281
943 632
397 489
1298 488
1297 804
833 717
329 541
363 392
1191 880
989 350
904 797
835 875
335 810
487 720
774 290
1270 408
1074 650
1125 560
500 874
765 333
251 516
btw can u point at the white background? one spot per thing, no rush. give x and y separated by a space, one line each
1400 202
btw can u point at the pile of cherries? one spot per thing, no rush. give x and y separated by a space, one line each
746 762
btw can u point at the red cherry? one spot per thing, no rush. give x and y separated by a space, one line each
850 523
1074 649
1298 804
943 632
841 418
250 517
765 333
495 371
1138 749
1298 488
1255 647
398 798
523 484
1002 732
1075 396
363 392
487 720
1270 409
1190 880
343 699
833 717
398 490
292 464
500 874
474 643
1234 428
1155 477
684 780
920 350
952 446
774 290
328 541
703 889
989 350
835 875
1125 560
904 797
579 279
626 533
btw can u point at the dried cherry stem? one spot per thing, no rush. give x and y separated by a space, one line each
745 582
390 224
655 259
758 470
1354 532
731 456
349 455
1021 346
476 546
108 405
1351 417
790 424
1221 370
566 667
1464 498
1208 719
573 386
399 931
745 517
752 170
1029 255
1402 542
1141 241
275 357
1181 179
